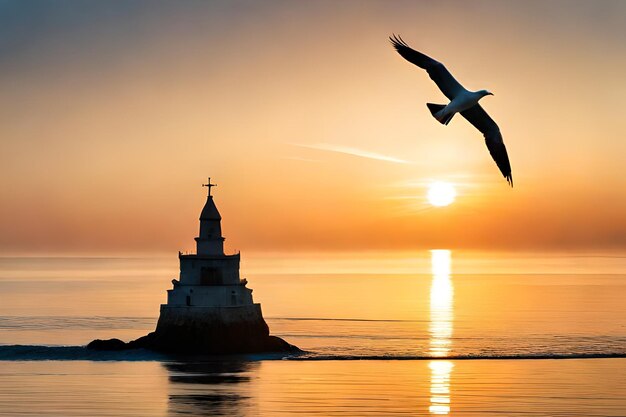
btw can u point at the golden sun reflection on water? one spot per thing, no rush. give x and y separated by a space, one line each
440 386
440 329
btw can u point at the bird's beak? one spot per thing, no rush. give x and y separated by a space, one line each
490 94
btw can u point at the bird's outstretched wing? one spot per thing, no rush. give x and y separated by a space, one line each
436 70
477 116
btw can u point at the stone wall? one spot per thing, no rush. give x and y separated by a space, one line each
212 330
209 296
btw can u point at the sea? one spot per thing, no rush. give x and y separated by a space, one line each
432 332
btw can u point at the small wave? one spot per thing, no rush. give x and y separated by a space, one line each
73 353
313 357
345 319
74 322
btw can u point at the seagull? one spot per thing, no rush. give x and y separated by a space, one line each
461 101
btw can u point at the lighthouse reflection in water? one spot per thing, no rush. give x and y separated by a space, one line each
440 329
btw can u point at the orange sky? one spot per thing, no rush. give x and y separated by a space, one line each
113 114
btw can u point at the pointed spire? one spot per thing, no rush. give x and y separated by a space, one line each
210 212
210 239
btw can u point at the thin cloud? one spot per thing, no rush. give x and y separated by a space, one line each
347 150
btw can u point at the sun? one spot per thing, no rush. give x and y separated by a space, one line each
441 193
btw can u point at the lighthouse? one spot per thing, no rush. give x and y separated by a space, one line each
209 309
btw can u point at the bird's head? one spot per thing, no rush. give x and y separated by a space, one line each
485 93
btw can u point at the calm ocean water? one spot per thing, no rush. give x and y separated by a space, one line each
432 333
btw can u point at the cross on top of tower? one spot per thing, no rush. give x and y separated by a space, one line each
209 185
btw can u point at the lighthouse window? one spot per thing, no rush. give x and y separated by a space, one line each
211 276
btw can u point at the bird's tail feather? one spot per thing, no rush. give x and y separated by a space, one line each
436 108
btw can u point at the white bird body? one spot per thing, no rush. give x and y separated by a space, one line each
462 101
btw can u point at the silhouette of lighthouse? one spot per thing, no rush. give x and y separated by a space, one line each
210 309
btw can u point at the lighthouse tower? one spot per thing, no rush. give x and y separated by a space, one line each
210 309
209 278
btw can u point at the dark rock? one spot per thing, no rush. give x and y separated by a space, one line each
164 344
110 344
206 332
